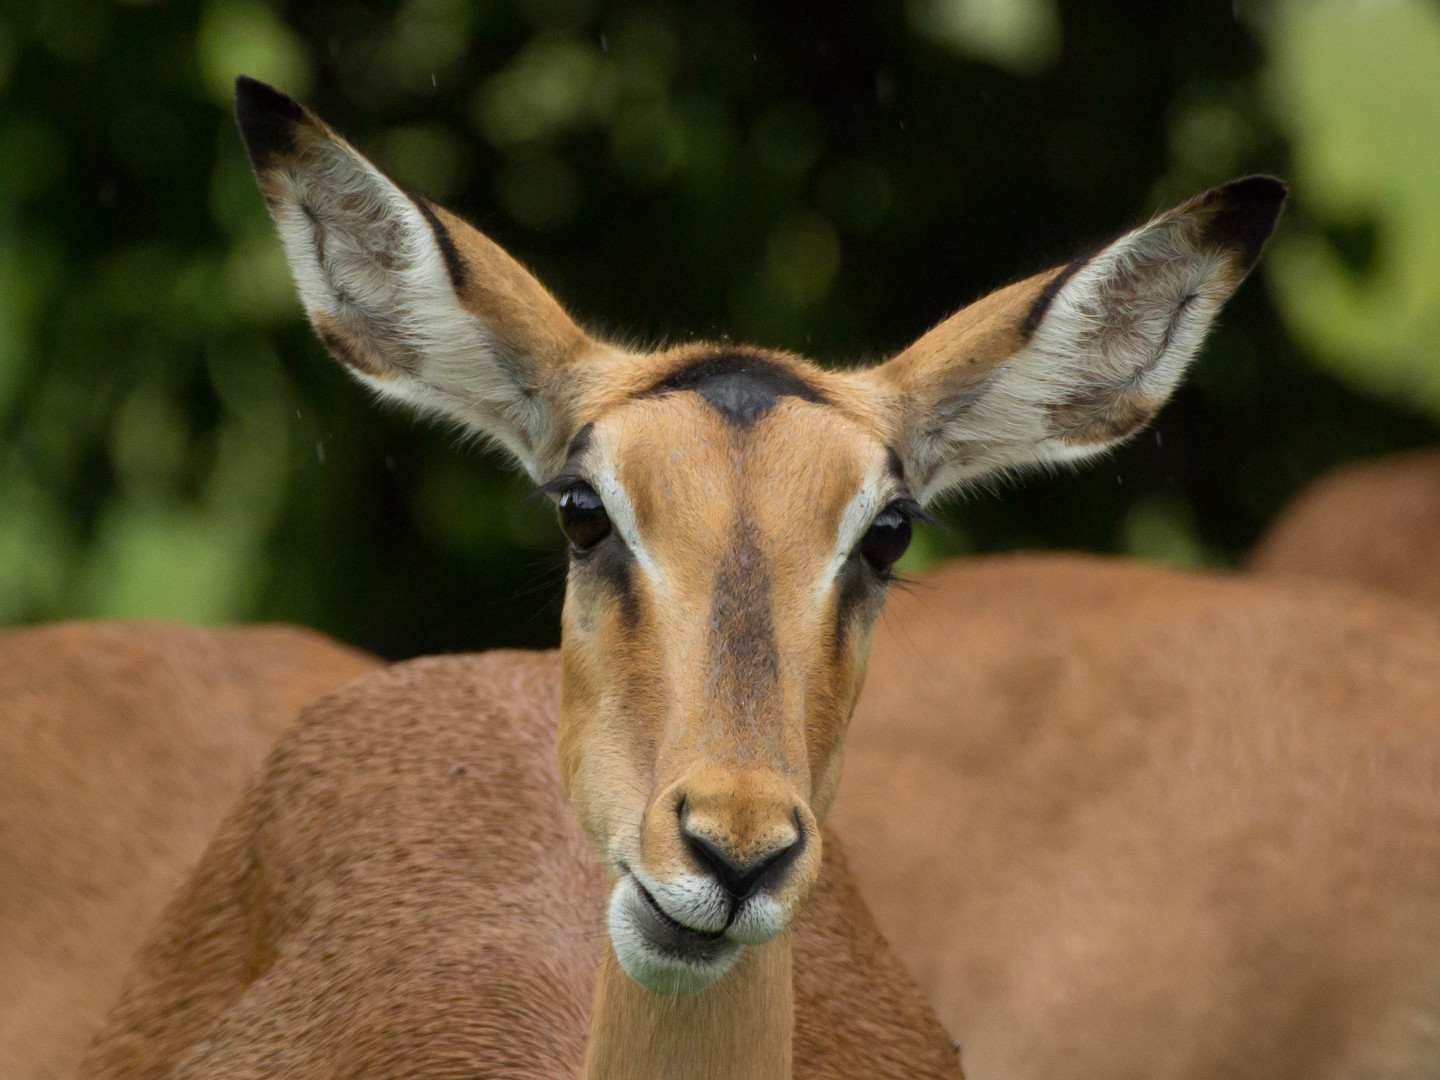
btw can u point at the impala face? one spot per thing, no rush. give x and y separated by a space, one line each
732 531
733 513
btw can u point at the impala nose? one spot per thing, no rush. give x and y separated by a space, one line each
741 871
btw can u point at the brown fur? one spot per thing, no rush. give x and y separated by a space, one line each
1101 415
121 747
1376 524
1122 821
630 1038
406 893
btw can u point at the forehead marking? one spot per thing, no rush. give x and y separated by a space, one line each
742 387
744 664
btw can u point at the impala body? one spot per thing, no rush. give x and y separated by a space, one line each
1376 523
121 747
1123 821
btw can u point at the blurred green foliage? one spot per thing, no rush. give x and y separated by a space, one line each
828 178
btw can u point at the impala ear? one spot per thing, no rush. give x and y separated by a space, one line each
417 304
1067 363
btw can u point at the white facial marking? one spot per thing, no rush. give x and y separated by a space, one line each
876 492
759 920
660 970
601 474
690 899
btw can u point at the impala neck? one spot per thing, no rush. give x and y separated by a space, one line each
738 1029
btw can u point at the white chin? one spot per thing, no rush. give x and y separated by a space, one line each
657 953
759 920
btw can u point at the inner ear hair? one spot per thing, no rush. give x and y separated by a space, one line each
1065 364
416 303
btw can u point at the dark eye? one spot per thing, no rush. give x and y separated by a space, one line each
583 517
886 539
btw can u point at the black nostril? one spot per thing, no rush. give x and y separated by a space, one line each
740 879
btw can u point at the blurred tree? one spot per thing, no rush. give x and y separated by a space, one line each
1358 279
828 178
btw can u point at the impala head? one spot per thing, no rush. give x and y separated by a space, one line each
733 514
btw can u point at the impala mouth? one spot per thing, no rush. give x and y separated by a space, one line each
660 952
688 935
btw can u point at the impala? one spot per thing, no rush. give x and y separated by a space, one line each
1123 821
121 747
1376 524
733 516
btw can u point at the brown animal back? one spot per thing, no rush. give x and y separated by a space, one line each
1122 821
406 892
121 746
1376 524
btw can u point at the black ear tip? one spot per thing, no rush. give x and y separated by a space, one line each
254 98
1245 214
1260 191
267 120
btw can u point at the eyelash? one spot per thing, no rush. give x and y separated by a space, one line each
560 485
911 511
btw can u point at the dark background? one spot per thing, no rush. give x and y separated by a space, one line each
830 178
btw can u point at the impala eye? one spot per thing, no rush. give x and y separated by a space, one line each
583 517
886 539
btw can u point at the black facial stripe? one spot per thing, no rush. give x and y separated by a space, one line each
856 586
1052 288
613 563
740 386
744 656
454 264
